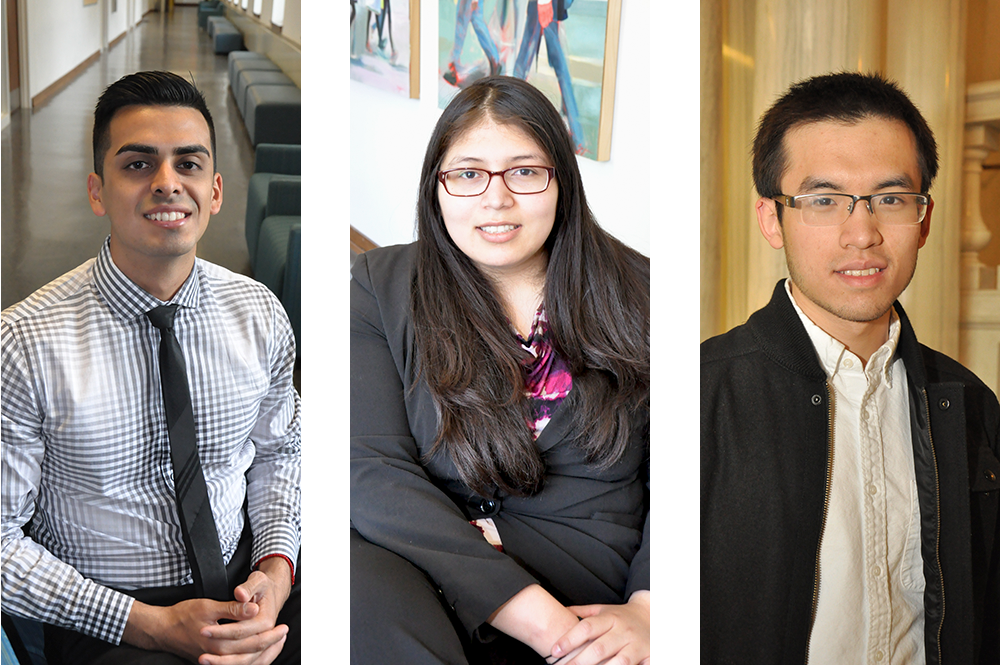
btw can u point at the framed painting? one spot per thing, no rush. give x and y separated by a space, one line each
568 49
385 45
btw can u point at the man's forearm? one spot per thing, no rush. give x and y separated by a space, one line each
39 586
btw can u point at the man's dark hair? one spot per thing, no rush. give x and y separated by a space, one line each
847 97
145 89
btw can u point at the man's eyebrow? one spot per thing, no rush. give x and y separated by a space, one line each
153 150
138 147
812 183
902 181
191 149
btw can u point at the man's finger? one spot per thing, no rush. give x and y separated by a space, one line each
240 630
233 611
249 649
248 591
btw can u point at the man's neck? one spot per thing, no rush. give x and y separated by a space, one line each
161 278
862 338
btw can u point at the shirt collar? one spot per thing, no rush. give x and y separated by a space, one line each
126 298
831 351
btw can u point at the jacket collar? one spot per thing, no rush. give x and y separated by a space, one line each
781 336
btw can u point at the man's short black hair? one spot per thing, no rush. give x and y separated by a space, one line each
847 97
145 89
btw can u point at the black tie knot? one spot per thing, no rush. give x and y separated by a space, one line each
163 317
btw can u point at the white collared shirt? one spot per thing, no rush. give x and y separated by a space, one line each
871 580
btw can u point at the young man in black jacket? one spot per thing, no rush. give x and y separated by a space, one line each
850 477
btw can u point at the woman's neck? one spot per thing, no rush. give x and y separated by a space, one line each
521 293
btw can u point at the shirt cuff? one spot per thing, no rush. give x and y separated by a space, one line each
291 565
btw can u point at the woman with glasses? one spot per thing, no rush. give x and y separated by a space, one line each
500 409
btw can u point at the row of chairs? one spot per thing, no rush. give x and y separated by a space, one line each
225 36
270 104
209 8
274 226
268 100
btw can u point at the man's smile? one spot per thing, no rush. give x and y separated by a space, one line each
166 216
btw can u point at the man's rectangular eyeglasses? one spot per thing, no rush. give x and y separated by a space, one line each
518 179
896 208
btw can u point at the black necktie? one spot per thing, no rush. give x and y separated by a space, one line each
197 523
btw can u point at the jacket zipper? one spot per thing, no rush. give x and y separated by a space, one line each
937 539
826 509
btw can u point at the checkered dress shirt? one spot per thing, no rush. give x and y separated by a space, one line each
85 448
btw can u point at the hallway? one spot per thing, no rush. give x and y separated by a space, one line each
47 226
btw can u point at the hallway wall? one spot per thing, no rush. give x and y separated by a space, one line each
75 29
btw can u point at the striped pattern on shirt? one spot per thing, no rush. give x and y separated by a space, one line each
85 448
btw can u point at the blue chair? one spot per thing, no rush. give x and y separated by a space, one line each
291 290
23 641
271 162
209 9
227 38
240 61
7 651
281 213
273 114
251 77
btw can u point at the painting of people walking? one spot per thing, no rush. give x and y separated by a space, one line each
385 45
566 48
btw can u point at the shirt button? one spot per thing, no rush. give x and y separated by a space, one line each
877 571
872 490
878 655
848 363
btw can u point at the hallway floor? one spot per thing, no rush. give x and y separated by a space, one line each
47 227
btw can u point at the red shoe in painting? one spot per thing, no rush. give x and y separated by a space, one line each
451 76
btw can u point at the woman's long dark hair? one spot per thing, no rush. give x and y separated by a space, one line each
596 299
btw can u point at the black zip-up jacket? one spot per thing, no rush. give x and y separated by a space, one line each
766 436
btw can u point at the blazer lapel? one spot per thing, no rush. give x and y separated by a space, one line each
558 426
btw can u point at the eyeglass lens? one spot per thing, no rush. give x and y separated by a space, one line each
835 209
519 180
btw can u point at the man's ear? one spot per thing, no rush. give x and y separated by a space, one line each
925 226
216 193
95 186
767 220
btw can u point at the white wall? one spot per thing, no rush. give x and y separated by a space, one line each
292 28
118 20
389 132
61 35
4 77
